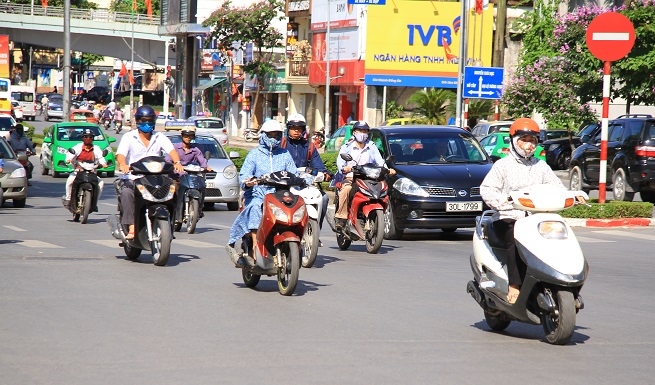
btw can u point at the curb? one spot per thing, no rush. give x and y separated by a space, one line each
605 223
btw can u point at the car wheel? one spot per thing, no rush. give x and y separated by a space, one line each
620 187
208 205
110 174
648 196
44 170
575 180
563 161
233 206
390 229
19 203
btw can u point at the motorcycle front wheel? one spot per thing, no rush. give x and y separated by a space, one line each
310 243
375 235
160 246
86 206
193 216
559 326
287 275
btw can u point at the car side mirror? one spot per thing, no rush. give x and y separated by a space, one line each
111 139
391 159
208 155
47 139
71 150
21 157
346 157
105 152
234 155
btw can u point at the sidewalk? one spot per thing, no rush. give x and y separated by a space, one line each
240 142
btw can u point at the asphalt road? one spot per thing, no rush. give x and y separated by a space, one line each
73 310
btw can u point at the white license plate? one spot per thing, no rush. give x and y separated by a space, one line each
210 185
463 206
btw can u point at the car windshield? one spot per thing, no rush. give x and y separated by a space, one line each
204 144
436 147
209 124
5 150
74 133
6 122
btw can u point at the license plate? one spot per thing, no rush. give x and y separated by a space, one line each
210 184
463 206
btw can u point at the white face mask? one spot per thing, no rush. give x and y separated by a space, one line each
361 137
524 149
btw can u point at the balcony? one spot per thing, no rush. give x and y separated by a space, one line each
298 71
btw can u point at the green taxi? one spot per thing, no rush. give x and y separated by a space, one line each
339 137
60 137
497 146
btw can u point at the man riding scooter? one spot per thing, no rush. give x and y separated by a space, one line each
85 151
19 142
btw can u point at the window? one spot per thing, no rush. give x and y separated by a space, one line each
615 133
376 137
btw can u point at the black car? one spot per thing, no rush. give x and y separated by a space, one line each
558 151
630 159
439 172
98 94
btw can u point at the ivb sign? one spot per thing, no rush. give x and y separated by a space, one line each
483 82
367 2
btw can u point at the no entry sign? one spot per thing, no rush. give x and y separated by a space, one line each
610 36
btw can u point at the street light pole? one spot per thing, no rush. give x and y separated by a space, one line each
132 73
166 92
327 72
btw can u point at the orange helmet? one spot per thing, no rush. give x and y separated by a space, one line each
524 126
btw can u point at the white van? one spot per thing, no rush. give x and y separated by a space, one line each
25 96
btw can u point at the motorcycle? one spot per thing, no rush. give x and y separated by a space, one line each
154 205
313 201
85 190
250 134
369 198
319 139
555 268
189 197
118 126
23 157
279 234
106 123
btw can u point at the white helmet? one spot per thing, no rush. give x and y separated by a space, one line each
296 120
271 126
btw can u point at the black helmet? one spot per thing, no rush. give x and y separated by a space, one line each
361 125
145 112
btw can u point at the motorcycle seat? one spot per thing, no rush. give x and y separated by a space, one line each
491 235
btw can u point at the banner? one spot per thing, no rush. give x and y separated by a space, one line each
4 56
416 43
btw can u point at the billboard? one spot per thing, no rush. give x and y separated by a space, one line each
4 56
416 43
342 14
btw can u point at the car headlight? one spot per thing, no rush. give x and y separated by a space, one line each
409 187
298 215
278 213
553 230
18 173
61 150
230 171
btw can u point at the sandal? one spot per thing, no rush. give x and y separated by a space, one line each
513 294
130 235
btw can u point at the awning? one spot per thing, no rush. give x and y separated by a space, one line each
211 84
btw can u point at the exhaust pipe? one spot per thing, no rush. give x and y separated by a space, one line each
115 227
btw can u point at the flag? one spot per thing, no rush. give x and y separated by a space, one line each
478 7
457 24
123 71
149 8
446 48
44 3
131 77
134 7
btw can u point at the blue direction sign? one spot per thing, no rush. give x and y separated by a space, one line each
367 2
483 82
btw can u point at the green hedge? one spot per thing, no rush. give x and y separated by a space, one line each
330 161
610 210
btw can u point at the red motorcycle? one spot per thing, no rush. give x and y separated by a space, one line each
369 198
278 236
318 139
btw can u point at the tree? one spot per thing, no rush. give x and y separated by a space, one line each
126 6
393 110
479 109
431 105
232 27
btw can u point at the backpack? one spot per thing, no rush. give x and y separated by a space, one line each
310 151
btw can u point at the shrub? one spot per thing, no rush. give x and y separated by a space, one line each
610 210
330 161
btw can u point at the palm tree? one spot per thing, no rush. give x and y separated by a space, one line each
431 105
479 109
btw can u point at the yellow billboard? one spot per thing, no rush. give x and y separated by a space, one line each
416 43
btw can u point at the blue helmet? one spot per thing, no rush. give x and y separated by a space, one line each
145 112
145 119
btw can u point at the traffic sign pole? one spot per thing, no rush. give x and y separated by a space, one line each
602 181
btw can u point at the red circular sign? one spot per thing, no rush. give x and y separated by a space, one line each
610 36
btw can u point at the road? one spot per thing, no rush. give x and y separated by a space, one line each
75 311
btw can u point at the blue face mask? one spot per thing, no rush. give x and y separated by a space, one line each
145 127
271 143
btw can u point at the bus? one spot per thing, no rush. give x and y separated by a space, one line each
5 96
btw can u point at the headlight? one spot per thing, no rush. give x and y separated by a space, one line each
372 172
18 173
298 215
192 168
278 213
409 187
61 150
230 171
155 167
553 230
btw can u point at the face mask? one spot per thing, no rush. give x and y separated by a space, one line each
271 142
361 137
145 127
524 149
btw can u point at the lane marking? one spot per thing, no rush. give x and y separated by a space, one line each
38 244
592 240
198 244
113 243
610 36
221 226
14 228
629 234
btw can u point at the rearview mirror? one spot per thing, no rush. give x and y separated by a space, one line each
111 139
391 159
47 140
234 154
346 157
208 155
71 150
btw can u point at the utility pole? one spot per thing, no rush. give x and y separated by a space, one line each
499 39
67 60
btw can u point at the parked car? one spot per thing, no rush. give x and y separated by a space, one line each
396 122
13 178
483 129
630 153
432 189
211 126
222 184
497 146
6 123
558 151
55 107
83 115
338 138
17 111
60 137
98 94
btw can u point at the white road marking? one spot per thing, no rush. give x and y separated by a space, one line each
113 243
38 244
592 240
221 226
109 204
610 36
14 228
191 243
629 234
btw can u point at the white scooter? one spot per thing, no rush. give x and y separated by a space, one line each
313 201
555 268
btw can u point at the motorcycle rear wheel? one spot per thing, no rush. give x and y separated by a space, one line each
193 216
559 328
310 243
343 242
375 236
287 275
161 245
249 279
132 253
86 206
496 323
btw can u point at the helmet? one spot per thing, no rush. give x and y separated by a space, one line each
361 125
296 120
145 112
271 126
87 133
188 131
524 126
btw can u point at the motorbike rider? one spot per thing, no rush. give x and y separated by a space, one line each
363 151
19 142
268 157
85 151
305 153
518 170
134 146
118 115
107 114
188 153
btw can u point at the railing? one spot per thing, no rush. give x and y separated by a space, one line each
298 67
96 15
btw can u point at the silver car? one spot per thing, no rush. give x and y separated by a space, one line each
55 107
483 129
13 178
222 184
211 126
